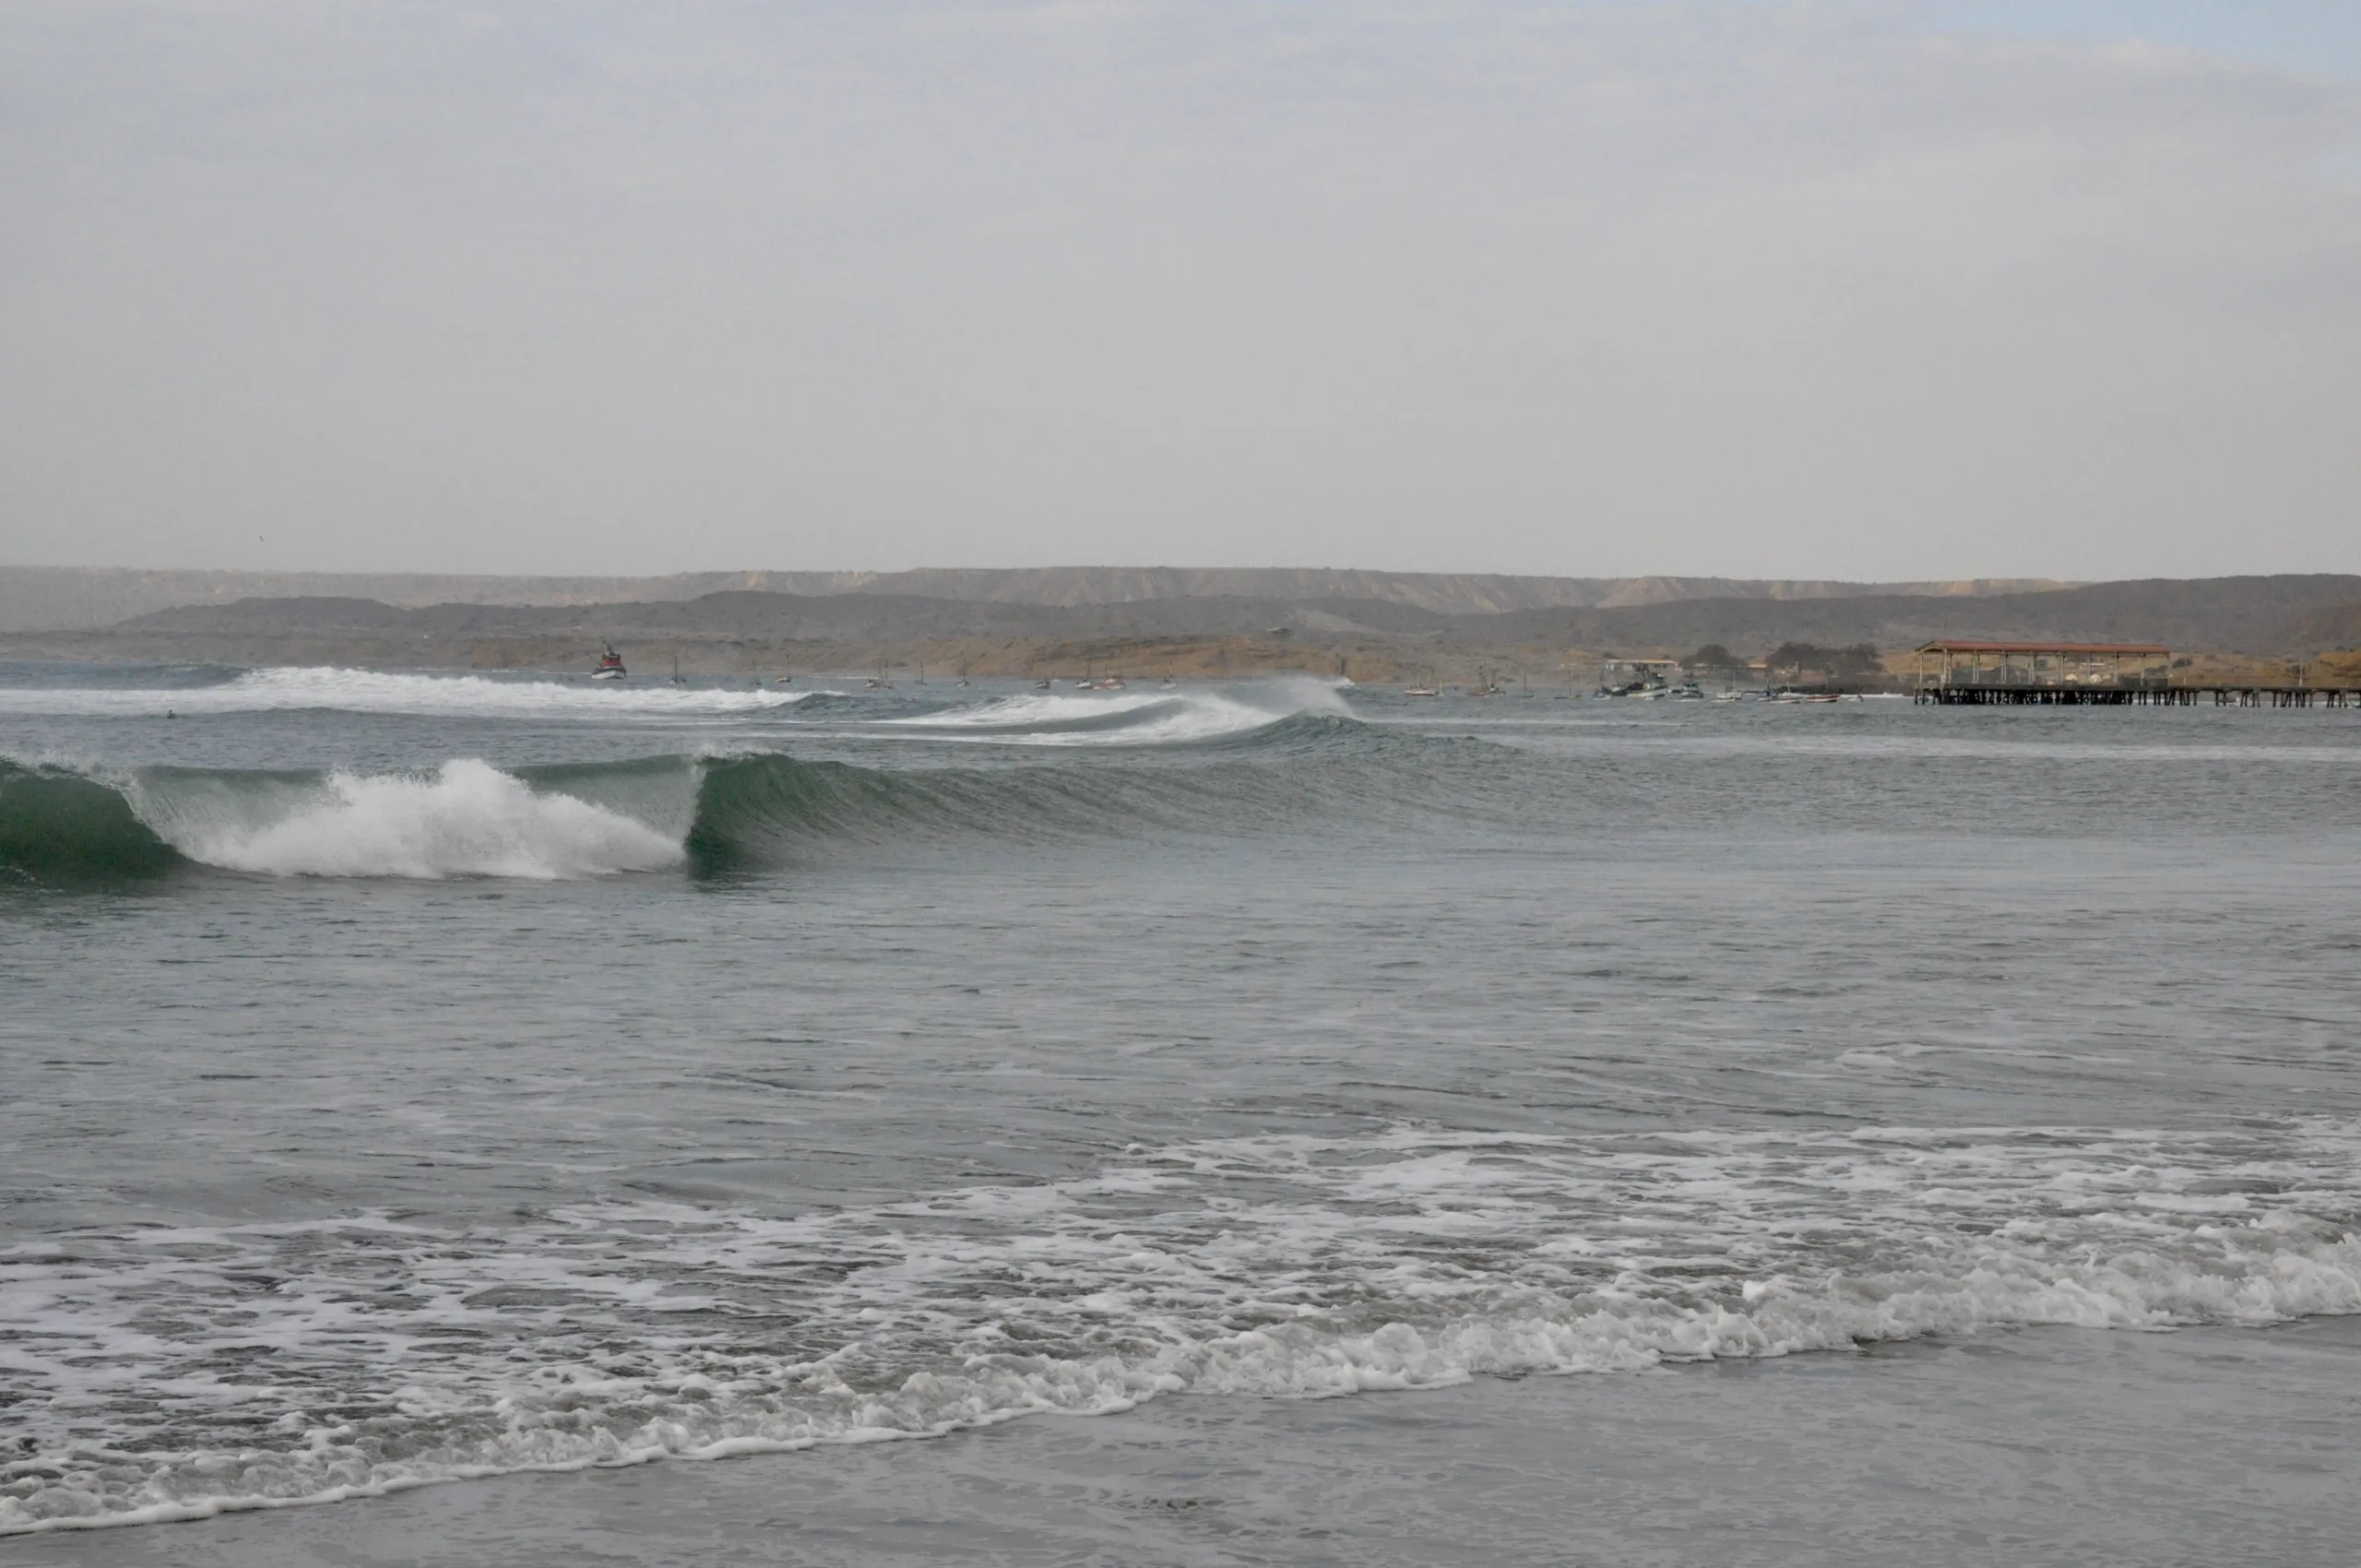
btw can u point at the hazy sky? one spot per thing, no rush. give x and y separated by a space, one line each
1864 289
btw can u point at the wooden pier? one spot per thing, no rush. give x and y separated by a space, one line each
1993 674
2281 696
2141 697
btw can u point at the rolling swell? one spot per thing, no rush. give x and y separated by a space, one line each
1297 773
768 807
711 813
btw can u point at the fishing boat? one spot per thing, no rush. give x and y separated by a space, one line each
610 665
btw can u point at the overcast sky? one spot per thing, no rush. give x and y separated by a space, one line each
1878 289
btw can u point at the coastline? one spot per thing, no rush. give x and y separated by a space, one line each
2197 1446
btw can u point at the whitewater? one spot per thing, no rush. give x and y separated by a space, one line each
410 1081
332 690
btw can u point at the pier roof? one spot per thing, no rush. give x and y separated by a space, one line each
1943 644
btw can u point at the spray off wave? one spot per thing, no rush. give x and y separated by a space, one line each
466 819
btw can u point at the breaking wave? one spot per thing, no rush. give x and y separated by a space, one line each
469 818
466 818
391 1354
1158 716
372 691
1222 760
1153 717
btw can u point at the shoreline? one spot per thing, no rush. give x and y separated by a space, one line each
2049 1444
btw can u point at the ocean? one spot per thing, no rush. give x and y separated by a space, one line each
1249 1121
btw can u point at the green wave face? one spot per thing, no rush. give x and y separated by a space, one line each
58 825
766 807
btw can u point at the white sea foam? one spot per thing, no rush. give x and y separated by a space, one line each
389 1354
465 819
370 690
1129 718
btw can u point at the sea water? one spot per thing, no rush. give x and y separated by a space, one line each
412 1078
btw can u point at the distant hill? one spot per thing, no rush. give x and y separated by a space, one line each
787 617
2261 616
2334 629
2268 616
38 598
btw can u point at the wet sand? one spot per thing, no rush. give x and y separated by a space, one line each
2047 1446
